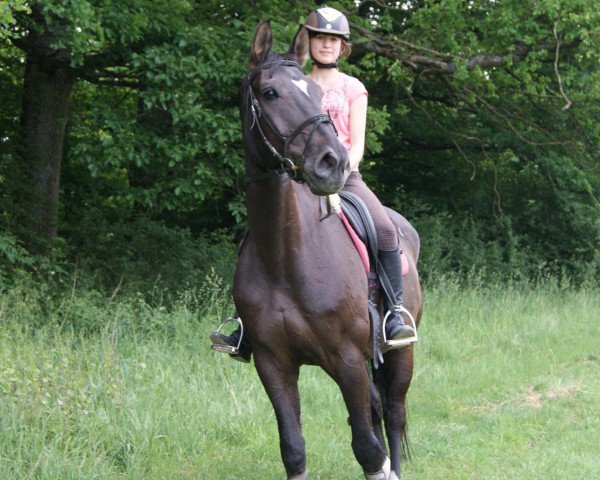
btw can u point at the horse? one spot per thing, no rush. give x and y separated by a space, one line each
300 286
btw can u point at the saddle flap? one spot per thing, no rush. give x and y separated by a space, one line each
359 224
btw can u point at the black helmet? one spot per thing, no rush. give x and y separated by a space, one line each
328 20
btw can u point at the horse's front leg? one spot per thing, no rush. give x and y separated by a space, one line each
280 380
353 379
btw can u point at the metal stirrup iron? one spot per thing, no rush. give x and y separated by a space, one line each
230 349
402 342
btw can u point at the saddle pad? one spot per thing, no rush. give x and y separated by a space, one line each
358 243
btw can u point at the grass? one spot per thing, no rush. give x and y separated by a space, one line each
507 385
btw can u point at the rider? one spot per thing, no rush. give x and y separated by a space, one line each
345 100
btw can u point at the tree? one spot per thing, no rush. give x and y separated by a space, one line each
492 119
482 124
154 52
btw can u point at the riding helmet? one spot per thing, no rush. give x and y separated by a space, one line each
328 20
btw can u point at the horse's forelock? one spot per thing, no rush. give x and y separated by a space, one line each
273 58
292 57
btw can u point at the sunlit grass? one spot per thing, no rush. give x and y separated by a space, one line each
507 385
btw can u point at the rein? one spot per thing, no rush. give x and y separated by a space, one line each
286 164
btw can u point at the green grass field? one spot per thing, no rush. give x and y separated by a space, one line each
507 385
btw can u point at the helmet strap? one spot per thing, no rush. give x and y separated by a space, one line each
318 64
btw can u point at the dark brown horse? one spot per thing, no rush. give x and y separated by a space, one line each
300 286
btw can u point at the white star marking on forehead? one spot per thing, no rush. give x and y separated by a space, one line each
302 85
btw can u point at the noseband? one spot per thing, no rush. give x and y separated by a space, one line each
286 164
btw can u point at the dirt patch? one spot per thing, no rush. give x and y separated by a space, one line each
535 399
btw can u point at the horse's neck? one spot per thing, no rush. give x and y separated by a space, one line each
279 217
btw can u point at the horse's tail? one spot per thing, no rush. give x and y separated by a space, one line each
405 445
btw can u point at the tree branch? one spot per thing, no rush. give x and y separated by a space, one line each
420 59
556 55
105 76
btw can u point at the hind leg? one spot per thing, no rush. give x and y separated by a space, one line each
395 427
377 416
398 370
280 379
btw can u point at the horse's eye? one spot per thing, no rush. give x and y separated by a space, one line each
270 94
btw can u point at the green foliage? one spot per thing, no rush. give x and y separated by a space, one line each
8 10
18 266
459 247
483 157
486 160
145 255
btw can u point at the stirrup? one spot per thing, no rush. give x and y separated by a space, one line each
229 349
402 342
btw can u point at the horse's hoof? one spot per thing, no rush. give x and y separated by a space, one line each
383 474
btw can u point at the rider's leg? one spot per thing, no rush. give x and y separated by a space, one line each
395 328
389 254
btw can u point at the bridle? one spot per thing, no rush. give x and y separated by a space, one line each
286 164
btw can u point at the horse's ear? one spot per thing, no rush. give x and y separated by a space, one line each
300 45
262 43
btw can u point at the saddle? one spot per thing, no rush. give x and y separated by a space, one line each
359 224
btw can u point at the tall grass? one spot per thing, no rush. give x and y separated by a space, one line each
507 385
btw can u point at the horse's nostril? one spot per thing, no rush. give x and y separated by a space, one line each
330 161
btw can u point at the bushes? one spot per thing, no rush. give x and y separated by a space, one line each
35 308
142 259
17 265
142 255
470 251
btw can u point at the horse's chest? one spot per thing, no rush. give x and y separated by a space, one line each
309 284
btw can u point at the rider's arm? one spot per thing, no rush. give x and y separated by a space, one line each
358 124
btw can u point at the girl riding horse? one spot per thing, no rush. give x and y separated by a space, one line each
345 101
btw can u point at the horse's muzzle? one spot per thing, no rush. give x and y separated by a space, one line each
329 173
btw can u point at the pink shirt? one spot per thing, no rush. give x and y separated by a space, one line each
337 100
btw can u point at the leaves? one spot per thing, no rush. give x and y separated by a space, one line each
466 122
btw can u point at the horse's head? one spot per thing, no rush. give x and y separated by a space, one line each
284 128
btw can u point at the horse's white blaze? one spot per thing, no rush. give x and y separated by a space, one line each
302 85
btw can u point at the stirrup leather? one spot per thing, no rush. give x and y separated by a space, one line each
402 342
229 349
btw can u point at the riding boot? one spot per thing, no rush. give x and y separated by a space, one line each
395 329
233 340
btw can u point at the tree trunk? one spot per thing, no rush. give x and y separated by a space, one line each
47 91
